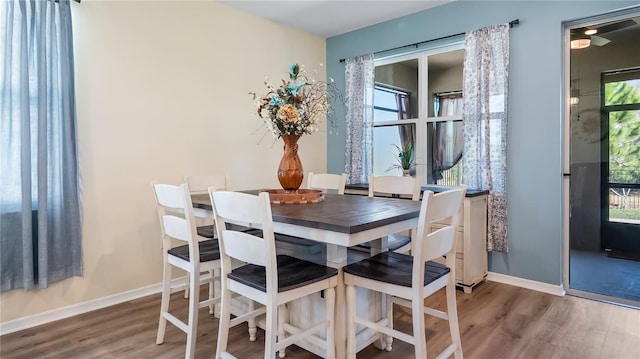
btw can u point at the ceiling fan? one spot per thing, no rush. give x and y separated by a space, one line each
593 35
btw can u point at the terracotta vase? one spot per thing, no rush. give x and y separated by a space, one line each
290 170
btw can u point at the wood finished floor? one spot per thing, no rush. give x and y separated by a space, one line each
496 321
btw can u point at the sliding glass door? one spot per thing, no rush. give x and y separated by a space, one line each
602 158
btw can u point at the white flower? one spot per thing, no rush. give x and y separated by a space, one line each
296 105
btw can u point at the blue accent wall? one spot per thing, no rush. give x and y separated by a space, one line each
534 164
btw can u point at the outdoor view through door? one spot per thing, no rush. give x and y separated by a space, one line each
621 106
603 172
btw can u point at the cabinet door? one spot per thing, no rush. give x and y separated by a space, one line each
475 239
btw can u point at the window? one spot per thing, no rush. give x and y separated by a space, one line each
418 100
389 103
622 105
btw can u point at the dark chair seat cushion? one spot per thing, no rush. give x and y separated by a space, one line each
395 241
394 268
209 251
206 231
209 232
284 244
289 245
292 273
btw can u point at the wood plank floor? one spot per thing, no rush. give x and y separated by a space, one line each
496 321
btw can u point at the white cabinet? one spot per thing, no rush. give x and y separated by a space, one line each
471 243
471 236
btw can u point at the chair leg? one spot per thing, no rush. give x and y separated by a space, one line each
186 290
271 332
419 335
164 303
452 312
194 305
251 322
282 315
388 338
216 290
223 325
351 325
212 291
330 300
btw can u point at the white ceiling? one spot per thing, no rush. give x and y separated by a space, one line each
328 18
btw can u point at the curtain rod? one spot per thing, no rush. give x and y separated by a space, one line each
511 24
456 92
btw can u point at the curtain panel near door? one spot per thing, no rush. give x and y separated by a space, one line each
448 137
485 88
359 87
40 218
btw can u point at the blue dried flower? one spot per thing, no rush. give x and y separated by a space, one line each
293 87
275 101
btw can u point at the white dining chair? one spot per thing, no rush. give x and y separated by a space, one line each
327 181
304 248
408 279
395 186
266 278
198 185
175 212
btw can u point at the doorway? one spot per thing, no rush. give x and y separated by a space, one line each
621 172
602 158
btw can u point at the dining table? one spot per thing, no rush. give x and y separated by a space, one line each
340 222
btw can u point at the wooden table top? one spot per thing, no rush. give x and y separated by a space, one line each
339 213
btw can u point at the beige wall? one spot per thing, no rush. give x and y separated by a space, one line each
162 91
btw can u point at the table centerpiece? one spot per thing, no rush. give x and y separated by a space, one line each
290 110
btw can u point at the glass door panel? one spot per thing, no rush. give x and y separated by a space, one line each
603 172
621 225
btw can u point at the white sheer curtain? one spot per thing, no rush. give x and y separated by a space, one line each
450 106
486 80
359 86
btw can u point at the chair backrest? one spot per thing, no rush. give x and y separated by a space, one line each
327 181
198 184
443 208
175 212
395 185
237 207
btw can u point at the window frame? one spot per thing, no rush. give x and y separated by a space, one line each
424 120
386 88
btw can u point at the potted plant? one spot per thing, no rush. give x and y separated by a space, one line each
406 158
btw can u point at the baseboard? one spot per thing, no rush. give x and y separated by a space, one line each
527 283
99 303
81 308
